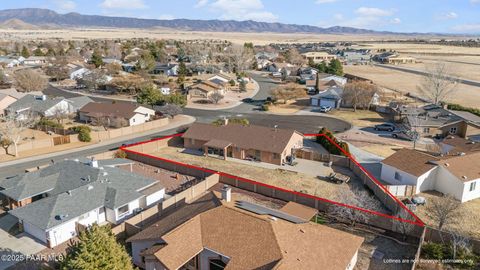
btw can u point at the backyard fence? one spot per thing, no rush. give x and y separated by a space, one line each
59 131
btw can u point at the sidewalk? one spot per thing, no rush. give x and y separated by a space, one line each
178 121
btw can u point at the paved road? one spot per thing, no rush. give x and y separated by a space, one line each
302 123
420 72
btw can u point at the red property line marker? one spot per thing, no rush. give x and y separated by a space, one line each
417 221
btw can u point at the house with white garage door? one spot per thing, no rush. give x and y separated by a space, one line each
330 97
456 174
55 203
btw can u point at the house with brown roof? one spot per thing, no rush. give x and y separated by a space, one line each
231 237
129 113
454 173
204 89
265 144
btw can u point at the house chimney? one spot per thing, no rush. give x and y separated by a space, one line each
94 163
226 193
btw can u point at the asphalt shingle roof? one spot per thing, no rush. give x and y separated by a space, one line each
34 103
73 188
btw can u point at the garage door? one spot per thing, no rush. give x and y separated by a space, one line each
327 102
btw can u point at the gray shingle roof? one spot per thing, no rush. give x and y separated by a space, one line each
73 188
79 102
331 93
34 103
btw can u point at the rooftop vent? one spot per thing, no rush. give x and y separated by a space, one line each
447 164
42 97
465 177
226 193
69 192
61 217
90 187
94 163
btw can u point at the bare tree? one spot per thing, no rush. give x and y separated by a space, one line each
444 210
403 227
292 56
94 78
12 127
60 114
29 80
216 96
288 92
437 84
242 58
359 198
459 241
359 94
171 110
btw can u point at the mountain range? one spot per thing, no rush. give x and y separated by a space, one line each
35 18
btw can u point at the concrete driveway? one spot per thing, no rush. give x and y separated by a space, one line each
22 244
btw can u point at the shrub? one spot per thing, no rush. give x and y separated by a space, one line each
457 107
329 146
433 251
265 107
49 123
120 154
83 133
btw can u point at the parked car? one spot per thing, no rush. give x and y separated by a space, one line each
311 90
247 100
405 135
385 127
325 109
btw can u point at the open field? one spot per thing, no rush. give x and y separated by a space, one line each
407 83
165 33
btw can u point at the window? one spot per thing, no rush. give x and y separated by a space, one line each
276 156
453 130
426 130
216 264
398 176
473 185
122 210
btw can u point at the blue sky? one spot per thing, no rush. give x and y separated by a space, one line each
444 16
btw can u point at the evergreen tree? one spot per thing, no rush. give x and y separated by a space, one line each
243 86
335 67
97 249
149 95
38 52
182 73
96 59
25 52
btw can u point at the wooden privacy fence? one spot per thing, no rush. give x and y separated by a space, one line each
61 140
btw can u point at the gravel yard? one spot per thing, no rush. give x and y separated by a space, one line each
301 182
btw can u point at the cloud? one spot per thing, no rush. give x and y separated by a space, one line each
448 16
123 4
201 3
474 1
395 21
325 1
166 17
467 28
242 10
373 12
65 5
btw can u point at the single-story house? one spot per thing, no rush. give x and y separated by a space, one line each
166 69
9 62
55 203
318 57
5 101
35 61
79 102
271 145
229 237
40 105
78 73
324 77
204 89
457 174
331 97
133 113
455 144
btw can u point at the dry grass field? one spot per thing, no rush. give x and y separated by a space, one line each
165 33
407 83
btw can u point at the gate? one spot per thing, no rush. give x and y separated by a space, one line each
61 140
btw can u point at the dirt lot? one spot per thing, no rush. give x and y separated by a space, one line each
281 178
291 107
360 118
407 83
467 223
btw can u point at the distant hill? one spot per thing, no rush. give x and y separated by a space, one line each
17 24
42 17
